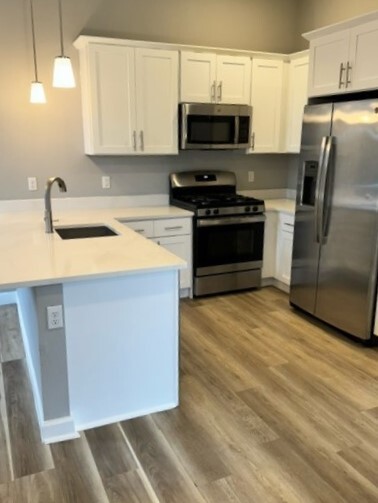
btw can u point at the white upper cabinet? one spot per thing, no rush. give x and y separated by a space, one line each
157 101
363 56
211 78
266 101
198 77
296 100
130 99
109 102
233 79
343 57
328 60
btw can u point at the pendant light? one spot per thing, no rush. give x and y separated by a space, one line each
37 93
63 73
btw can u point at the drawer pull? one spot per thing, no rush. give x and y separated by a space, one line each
289 225
173 228
139 230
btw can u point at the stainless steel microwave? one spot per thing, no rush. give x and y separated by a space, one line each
205 126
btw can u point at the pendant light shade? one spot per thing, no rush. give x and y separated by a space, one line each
37 93
63 74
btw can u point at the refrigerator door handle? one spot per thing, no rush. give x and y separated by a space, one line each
318 196
324 189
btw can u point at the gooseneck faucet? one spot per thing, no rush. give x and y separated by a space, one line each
48 213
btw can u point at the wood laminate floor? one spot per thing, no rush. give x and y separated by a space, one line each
273 409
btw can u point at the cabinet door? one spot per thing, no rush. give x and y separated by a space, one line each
157 101
198 77
363 56
297 99
182 247
328 60
108 99
270 245
284 248
266 101
233 79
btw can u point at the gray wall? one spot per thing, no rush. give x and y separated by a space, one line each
314 14
47 140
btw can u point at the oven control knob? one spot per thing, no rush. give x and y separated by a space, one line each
255 208
207 212
216 212
247 209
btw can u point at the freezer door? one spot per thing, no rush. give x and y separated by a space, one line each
348 256
306 247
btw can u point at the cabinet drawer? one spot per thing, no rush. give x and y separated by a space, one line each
143 227
287 222
172 226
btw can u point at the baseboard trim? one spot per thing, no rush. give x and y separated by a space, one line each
125 417
58 430
276 283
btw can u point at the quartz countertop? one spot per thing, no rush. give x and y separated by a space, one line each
282 205
30 257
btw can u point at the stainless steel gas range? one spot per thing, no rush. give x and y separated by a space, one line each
228 231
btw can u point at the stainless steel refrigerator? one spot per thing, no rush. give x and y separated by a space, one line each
335 251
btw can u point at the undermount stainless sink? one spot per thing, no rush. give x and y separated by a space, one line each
84 231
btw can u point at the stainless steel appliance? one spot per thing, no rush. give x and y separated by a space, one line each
334 264
212 126
228 230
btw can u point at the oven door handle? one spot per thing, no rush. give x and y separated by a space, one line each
212 222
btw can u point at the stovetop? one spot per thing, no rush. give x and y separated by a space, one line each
211 193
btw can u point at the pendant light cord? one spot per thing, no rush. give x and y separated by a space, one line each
61 27
33 37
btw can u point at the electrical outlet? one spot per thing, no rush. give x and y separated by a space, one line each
54 317
32 183
105 182
251 176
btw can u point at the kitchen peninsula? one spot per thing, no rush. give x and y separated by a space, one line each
115 354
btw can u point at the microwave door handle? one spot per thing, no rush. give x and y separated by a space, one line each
184 130
237 124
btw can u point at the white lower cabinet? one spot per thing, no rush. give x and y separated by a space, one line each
174 234
278 247
182 247
284 248
270 245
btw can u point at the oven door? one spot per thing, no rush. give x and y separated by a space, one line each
228 244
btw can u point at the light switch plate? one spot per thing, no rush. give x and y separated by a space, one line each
105 182
32 183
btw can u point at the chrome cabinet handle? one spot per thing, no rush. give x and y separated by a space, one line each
220 91
253 141
173 228
141 135
348 79
134 140
342 70
213 90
